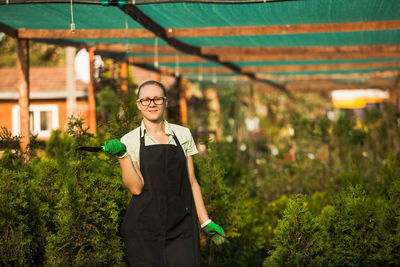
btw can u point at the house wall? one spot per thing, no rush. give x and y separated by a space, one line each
82 111
6 113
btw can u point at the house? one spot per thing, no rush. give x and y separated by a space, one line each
48 100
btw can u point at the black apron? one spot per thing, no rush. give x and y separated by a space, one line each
160 225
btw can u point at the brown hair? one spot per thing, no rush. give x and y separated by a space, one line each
151 82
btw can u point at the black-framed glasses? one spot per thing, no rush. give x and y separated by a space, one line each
157 100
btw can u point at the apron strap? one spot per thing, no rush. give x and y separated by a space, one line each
178 144
142 140
142 144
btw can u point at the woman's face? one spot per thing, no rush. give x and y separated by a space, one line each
152 112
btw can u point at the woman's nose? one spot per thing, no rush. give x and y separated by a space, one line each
152 103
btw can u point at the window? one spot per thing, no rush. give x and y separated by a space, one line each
42 119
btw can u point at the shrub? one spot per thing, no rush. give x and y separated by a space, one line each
357 229
23 219
242 217
352 229
299 237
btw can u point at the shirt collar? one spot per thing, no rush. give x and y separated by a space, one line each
168 130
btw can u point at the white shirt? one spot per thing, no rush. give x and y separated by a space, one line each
132 140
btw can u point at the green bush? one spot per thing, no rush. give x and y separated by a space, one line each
357 229
242 217
62 209
298 239
352 229
65 207
23 219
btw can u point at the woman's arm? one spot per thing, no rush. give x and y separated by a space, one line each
198 198
131 175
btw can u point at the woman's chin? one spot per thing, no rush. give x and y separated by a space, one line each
154 118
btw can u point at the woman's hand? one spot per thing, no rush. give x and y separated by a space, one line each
216 232
115 147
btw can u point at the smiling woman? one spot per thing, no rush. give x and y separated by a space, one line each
160 226
152 102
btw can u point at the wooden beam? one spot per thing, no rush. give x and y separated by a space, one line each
23 89
85 34
327 67
300 50
311 77
121 48
168 59
64 43
205 70
300 57
284 29
329 85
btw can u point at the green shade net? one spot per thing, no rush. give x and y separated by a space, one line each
58 16
192 65
191 15
139 41
93 15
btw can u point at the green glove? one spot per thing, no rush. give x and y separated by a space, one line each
216 233
114 147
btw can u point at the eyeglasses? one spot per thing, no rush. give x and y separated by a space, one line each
157 100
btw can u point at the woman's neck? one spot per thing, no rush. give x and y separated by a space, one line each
154 127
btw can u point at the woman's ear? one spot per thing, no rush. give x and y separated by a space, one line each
138 105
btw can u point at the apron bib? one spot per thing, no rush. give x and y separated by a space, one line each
160 225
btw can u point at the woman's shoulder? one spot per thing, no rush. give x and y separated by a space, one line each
182 133
132 135
179 128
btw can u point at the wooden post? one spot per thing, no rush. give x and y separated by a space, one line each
23 89
218 115
394 92
212 98
157 76
71 83
397 94
91 95
182 102
124 76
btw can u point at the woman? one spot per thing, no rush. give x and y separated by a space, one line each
160 224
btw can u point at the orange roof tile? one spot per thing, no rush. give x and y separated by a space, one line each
43 79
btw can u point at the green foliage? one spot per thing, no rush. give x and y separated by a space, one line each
116 110
23 218
8 51
241 217
389 221
40 54
296 241
352 229
273 214
89 209
9 159
62 209
356 229
280 200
